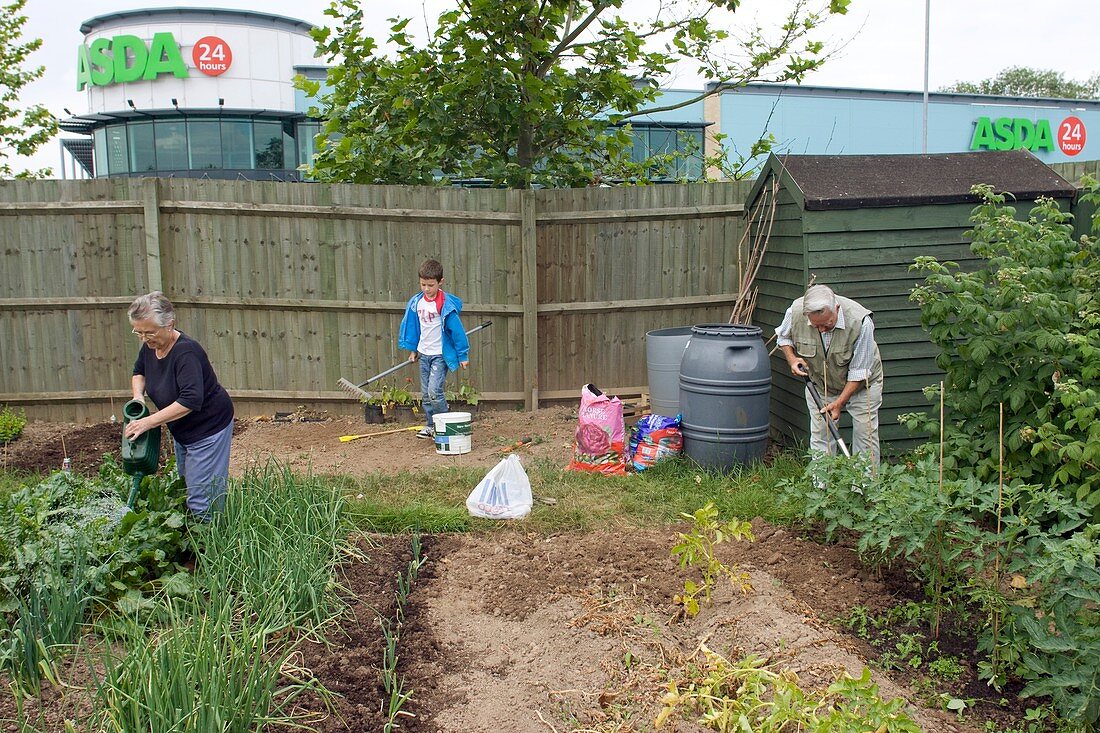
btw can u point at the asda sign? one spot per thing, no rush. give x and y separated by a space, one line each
127 58
124 59
1012 133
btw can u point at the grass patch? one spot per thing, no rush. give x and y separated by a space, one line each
435 501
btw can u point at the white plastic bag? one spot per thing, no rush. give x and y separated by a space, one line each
504 493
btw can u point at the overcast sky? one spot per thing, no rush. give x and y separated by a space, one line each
881 42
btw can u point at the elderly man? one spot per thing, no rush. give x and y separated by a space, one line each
831 339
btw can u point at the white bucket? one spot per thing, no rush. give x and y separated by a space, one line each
453 434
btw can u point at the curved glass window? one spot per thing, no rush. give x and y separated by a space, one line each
307 141
269 145
143 153
237 144
100 139
205 144
118 157
171 145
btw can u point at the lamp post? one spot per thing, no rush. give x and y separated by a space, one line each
924 104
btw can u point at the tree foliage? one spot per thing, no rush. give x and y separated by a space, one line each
22 131
1024 81
523 92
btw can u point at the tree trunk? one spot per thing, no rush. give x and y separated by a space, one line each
525 155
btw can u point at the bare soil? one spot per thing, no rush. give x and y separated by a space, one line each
312 441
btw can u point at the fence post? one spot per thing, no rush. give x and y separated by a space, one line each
528 240
151 201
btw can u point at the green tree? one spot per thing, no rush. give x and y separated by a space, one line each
1023 81
21 131
524 92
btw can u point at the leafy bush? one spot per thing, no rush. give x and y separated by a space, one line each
12 423
1023 330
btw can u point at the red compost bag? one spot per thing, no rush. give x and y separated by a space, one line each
598 442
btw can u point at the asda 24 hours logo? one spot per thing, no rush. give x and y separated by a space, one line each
127 58
1008 133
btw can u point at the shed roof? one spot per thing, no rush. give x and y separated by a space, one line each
828 182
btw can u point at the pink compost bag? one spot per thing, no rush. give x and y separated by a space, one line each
598 443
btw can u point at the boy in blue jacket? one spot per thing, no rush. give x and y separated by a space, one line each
433 332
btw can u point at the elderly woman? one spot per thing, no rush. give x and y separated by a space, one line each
176 373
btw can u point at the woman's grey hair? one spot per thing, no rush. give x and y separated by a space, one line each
153 307
818 299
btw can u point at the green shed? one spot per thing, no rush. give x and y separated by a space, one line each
856 223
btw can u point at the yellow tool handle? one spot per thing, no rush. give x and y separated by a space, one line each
348 438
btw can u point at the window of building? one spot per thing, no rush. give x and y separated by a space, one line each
171 145
290 149
307 144
687 142
100 139
118 157
143 152
269 145
205 137
237 145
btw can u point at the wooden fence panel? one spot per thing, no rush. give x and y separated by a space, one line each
291 286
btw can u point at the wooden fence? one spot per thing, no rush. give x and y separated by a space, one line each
291 286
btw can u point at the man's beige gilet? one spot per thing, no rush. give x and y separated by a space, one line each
831 369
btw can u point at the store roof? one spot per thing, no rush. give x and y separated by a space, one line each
252 16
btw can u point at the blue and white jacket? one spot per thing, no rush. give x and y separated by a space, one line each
456 347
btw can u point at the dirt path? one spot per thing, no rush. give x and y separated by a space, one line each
528 635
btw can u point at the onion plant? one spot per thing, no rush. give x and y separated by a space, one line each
275 548
45 621
211 668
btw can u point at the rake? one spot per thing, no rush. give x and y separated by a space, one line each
357 391
349 438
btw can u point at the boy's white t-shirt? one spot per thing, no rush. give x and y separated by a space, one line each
431 328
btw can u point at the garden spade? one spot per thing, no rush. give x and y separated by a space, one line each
828 418
356 390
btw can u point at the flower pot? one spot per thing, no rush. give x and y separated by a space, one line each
372 414
404 414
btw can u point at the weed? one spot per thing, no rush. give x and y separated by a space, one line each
945 669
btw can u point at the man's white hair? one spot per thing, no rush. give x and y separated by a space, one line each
818 299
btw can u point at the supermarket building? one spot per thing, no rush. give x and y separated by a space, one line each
209 93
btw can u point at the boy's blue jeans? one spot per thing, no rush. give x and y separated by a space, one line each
433 372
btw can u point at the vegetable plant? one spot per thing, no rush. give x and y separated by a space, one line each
696 549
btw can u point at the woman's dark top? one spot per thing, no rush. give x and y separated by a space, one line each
185 376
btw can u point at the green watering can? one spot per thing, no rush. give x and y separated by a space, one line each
140 457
